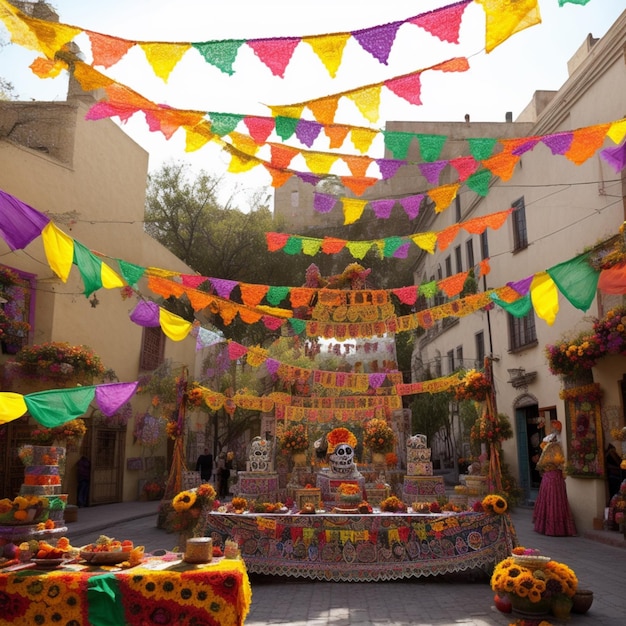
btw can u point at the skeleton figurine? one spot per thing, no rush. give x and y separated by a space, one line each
341 461
259 457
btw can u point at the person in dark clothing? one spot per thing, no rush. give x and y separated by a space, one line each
83 476
613 473
224 465
204 465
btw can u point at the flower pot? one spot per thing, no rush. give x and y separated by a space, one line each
299 459
582 601
378 458
561 607
523 606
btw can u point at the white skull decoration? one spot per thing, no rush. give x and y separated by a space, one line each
341 461
259 455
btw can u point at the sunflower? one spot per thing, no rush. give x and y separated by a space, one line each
184 500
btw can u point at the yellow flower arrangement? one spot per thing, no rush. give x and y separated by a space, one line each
392 504
536 583
295 439
184 500
473 386
493 503
378 435
187 507
349 489
239 504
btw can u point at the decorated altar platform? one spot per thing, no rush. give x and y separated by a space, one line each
376 547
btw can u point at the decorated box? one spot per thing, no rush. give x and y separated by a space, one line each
415 455
420 468
430 487
376 495
312 495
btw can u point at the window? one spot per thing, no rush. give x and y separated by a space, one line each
457 209
450 361
484 246
469 245
459 356
152 348
448 266
459 259
520 234
440 297
522 331
479 338
438 371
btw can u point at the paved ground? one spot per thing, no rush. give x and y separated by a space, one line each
599 560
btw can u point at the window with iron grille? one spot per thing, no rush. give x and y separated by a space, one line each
450 361
459 356
448 266
152 348
522 331
520 233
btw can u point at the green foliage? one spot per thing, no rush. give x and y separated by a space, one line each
431 412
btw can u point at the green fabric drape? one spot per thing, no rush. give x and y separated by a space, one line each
576 280
104 600
57 406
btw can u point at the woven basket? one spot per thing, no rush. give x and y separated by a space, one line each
531 561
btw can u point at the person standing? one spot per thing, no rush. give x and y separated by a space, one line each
552 515
83 476
223 474
204 465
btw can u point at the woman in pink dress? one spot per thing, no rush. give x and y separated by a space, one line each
552 515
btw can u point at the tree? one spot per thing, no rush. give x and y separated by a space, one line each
218 240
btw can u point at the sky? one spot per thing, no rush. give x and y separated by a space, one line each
503 80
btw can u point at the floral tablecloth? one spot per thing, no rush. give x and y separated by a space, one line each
174 593
382 546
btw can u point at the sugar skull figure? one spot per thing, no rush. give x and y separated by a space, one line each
259 457
341 443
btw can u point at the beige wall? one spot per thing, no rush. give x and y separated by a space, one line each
91 181
569 209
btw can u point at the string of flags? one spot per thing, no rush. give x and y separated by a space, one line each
575 279
502 21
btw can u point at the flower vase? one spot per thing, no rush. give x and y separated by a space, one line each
299 459
523 606
562 607
378 458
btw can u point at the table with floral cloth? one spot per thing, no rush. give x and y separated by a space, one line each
156 592
377 547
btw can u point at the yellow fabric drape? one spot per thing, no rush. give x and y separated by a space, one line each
12 406
544 295
175 327
59 249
